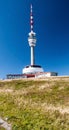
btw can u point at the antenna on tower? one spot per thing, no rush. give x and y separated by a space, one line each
31 18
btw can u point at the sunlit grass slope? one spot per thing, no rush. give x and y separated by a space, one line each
40 104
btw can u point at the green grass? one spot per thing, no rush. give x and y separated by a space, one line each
35 104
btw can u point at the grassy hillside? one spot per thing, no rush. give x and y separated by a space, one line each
40 104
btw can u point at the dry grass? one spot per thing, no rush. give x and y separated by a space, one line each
36 104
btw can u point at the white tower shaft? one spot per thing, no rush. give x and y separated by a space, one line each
32 56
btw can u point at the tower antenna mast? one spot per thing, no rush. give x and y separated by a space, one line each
31 18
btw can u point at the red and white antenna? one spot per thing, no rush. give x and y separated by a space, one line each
31 18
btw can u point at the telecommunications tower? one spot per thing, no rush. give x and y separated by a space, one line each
32 68
32 38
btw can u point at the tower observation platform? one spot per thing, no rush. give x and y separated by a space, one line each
32 68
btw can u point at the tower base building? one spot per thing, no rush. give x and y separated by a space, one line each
32 69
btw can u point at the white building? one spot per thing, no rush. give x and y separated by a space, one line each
46 74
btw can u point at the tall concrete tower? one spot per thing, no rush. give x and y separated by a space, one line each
32 68
32 38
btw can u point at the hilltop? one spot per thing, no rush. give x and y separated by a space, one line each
35 104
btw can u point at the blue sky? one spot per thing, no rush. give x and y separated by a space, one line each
51 24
